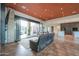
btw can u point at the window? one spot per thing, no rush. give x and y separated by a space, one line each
24 27
75 29
28 28
40 28
45 29
34 28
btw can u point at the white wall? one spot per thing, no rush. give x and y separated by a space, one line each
11 27
56 28
68 19
27 16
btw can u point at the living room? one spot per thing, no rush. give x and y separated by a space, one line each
40 30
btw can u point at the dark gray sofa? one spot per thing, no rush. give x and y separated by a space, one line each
42 42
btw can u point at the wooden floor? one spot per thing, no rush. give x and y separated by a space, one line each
59 47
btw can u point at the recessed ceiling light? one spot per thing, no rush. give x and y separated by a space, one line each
45 10
23 7
27 9
61 8
74 12
40 16
62 13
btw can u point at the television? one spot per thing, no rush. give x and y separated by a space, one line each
75 29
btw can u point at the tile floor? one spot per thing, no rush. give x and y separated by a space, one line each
65 47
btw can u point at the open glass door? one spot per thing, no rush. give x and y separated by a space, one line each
24 28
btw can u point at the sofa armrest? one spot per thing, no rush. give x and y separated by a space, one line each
33 45
33 42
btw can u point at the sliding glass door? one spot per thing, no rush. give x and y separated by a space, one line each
34 28
27 28
24 28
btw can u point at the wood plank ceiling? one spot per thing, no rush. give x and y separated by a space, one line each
46 11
